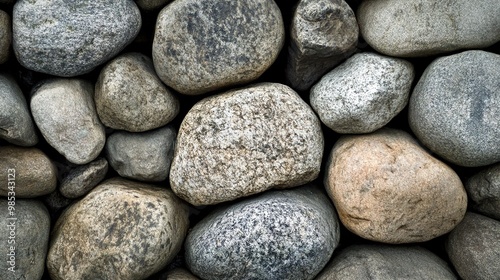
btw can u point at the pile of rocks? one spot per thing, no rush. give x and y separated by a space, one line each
250 139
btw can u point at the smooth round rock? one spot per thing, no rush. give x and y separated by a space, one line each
120 230
455 106
483 190
244 142
64 111
387 188
202 46
426 27
82 179
474 248
5 36
71 38
130 96
363 94
289 234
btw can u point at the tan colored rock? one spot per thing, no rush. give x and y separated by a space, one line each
388 189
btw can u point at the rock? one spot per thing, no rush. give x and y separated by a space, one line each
82 179
5 36
288 234
180 274
363 94
64 111
474 248
455 106
323 33
426 27
16 125
201 46
151 5
246 141
142 156
56 202
29 169
130 96
386 188
71 38
483 190
384 262
26 238
120 230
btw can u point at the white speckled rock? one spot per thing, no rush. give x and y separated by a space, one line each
484 191
5 36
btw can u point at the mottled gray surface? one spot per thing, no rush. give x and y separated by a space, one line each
425 27
201 46
151 5
323 33
363 94
32 229
142 156
70 38
82 179
288 234
16 125
484 191
120 230
455 106
474 248
130 96
5 36
64 111
244 142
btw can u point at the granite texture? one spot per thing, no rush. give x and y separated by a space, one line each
483 190
82 179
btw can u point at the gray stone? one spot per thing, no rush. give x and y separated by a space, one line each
82 179
151 5
180 274
385 262
484 191
120 230
323 33
56 202
363 94
5 36
474 248
16 125
455 106
426 27
142 156
64 111
70 38
201 46
130 96
244 142
27 237
288 234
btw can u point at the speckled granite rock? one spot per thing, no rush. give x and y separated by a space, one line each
5 36
484 191
82 179
120 230
201 46
388 189
180 274
289 234
244 142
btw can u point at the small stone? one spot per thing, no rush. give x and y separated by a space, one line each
130 96
82 179
151 5
363 94
5 36
71 38
455 106
56 202
484 191
323 33
246 141
120 230
202 46
180 274
64 111
474 248
386 188
288 234
142 156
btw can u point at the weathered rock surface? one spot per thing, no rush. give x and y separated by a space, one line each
82 179
484 191
5 36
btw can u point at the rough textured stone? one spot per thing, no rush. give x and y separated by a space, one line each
425 27
120 230
455 106
384 262
70 38
244 142
474 248
289 234
387 188
363 94
180 274
151 5
200 46
82 179
323 33
64 111
5 36
130 96
143 156
32 228
484 191
33 172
